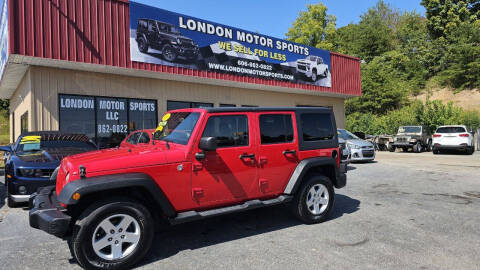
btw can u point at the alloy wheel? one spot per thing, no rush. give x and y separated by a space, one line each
317 199
116 237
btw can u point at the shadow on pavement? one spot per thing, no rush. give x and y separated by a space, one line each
217 230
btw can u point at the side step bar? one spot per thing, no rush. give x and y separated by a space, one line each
248 205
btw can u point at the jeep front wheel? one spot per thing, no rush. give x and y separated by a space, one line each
114 234
314 201
168 53
314 75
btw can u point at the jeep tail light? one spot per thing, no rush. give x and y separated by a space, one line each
464 135
437 135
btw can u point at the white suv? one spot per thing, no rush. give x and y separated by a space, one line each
312 67
453 138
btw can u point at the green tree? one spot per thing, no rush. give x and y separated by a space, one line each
314 27
444 16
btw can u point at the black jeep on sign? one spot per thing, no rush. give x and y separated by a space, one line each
165 38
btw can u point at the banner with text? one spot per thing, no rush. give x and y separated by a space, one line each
162 37
3 35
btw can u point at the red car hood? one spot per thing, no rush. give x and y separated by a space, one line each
117 159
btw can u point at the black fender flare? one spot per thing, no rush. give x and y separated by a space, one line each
303 167
91 185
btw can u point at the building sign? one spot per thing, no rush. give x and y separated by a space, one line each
3 35
162 37
107 120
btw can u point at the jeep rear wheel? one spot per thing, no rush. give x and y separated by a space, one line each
142 45
113 234
168 53
417 148
314 201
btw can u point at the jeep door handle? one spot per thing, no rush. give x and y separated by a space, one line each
250 156
289 152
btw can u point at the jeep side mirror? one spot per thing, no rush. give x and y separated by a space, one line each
6 148
208 144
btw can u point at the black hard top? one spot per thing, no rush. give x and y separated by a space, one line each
153 20
264 109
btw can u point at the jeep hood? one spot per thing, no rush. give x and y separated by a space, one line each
121 158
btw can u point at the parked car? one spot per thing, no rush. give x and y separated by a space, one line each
312 67
454 137
138 138
33 158
360 150
166 38
344 150
205 162
417 138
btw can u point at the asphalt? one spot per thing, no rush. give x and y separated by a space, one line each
404 211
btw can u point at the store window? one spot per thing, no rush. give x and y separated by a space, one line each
24 123
107 120
176 105
227 105
77 114
249 106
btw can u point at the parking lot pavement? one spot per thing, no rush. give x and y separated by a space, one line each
404 211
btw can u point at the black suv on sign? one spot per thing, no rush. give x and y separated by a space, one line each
165 38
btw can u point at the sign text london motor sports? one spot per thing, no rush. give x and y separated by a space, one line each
162 37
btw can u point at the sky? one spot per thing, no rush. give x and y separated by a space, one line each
273 17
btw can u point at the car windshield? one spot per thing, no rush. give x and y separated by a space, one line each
450 130
176 127
409 129
311 58
346 135
53 143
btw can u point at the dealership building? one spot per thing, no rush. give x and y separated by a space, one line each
107 67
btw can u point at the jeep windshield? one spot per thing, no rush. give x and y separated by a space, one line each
405 130
176 127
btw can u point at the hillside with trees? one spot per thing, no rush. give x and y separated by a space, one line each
403 55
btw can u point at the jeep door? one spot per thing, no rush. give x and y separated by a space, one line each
277 151
228 174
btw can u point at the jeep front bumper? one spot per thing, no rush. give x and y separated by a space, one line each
47 214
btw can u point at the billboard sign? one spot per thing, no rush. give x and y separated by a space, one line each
3 35
162 37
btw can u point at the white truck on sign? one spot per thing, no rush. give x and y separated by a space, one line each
312 67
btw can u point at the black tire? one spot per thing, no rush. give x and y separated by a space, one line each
417 148
435 151
391 148
325 74
81 241
471 150
429 146
142 45
299 205
314 77
168 53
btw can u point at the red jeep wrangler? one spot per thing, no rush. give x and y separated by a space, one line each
202 163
